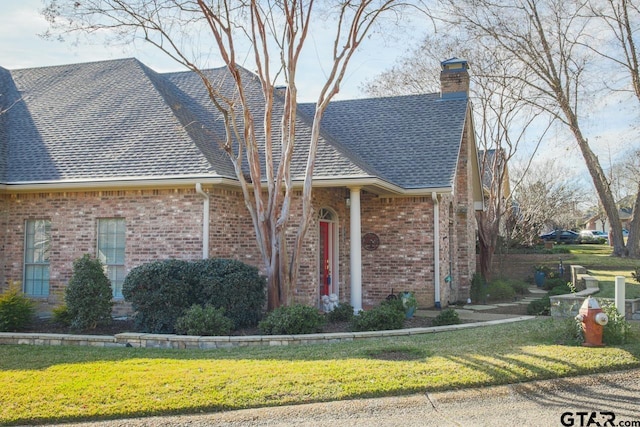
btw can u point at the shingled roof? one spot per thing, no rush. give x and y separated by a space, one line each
120 120
412 141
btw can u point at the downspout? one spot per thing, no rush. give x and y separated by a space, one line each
205 221
436 250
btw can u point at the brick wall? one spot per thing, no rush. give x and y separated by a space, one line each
464 217
159 224
167 223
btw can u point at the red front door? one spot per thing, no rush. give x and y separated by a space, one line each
325 258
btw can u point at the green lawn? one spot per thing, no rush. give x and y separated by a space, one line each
53 384
599 257
601 265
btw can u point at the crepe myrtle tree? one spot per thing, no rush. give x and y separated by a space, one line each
276 31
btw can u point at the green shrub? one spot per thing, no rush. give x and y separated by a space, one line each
478 291
342 313
520 287
447 317
234 286
500 290
162 291
552 282
62 316
16 309
395 303
159 293
540 307
385 316
636 274
88 295
560 290
292 320
208 321
617 330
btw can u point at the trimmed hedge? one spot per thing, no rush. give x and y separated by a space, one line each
234 286
162 291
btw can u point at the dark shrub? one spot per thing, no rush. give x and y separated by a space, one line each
395 304
16 310
618 330
62 316
540 307
160 292
560 290
553 282
234 286
387 315
520 287
291 320
478 292
342 313
208 321
447 317
88 295
500 290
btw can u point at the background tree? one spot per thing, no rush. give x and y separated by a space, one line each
276 32
502 117
543 200
546 38
621 18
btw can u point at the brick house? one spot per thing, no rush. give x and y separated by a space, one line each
114 159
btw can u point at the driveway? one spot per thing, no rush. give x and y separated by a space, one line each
611 399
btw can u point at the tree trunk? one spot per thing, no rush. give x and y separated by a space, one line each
487 238
633 241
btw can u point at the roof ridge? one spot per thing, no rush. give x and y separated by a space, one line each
75 64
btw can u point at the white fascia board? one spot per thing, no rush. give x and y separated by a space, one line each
112 183
376 185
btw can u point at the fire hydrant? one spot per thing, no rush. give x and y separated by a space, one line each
593 320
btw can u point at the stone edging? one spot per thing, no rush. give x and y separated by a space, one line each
129 339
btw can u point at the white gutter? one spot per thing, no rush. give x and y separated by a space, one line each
372 184
436 249
110 184
205 221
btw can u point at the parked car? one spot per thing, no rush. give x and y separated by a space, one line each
566 236
593 236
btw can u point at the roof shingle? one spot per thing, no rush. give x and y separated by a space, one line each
121 120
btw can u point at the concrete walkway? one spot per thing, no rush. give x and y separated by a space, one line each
478 312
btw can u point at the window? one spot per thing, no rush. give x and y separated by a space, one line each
36 257
111 235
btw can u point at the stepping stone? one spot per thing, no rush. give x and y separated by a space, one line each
480 307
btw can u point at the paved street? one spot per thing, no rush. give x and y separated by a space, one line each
584 401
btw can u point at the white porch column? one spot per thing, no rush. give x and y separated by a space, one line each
356 250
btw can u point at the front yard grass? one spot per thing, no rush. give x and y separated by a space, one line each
55 384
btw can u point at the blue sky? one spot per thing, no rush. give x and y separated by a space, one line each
21 47
610 128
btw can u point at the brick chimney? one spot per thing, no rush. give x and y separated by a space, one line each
454 78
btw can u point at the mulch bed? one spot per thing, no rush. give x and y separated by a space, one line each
120 326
